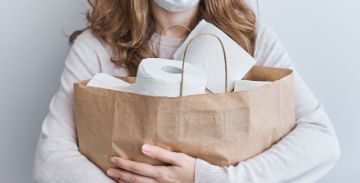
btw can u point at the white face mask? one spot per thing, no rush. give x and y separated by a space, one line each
176 5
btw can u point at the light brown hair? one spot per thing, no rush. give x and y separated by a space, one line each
127 25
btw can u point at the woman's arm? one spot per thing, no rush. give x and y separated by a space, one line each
304 155
58 158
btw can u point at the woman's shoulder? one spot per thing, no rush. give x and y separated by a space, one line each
265 33
87 37
269 49
89 46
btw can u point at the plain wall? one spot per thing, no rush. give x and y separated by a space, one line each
323 39
321 36
33 47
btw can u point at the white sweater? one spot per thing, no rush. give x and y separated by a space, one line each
304 155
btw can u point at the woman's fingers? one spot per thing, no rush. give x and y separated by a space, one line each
125 176
161 154
136 167
122 181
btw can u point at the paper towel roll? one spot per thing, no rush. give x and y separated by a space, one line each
206 53
103 80
162 77
244 85
157 77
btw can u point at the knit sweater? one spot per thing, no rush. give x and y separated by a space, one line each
305 155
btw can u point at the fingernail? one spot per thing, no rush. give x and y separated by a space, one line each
110 172
146 148
113 160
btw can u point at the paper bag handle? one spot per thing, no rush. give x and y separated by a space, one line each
184 57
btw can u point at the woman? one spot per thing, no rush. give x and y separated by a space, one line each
120 34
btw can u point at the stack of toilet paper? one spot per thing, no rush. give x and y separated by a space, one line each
204 68
206 53
157 77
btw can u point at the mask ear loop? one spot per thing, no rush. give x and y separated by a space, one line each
165 30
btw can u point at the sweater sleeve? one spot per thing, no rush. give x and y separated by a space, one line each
305 155
57 158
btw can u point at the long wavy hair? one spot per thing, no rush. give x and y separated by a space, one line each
127 25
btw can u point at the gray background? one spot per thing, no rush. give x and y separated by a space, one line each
322 36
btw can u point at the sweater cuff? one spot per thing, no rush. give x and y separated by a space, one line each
208 173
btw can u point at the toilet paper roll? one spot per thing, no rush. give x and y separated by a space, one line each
157 77
103 80
206 53
162 77
244 85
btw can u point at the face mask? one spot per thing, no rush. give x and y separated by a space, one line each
176 5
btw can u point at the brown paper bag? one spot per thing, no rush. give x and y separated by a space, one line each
223 129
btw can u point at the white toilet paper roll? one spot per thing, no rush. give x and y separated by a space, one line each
206 53
162 77
244 85
103 80
157 77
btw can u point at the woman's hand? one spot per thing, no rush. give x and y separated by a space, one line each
182 168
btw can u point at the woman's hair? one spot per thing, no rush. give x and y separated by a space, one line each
127 25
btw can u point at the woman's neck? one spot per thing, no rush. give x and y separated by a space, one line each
164 19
